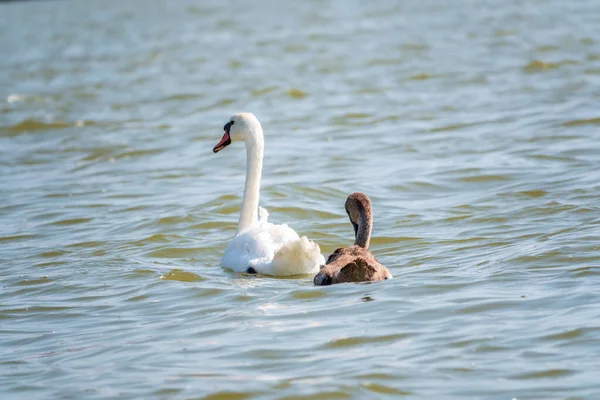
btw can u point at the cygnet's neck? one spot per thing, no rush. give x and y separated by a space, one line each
254 160
363 233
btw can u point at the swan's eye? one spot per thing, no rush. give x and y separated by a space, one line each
228 126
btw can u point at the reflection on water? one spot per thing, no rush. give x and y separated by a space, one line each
472 127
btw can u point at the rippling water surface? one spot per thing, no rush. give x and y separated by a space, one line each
474 126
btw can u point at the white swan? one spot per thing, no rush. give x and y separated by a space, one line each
259 246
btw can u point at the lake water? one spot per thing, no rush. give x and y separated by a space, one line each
474 126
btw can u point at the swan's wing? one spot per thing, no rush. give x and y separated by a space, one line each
251 246
272 250
300 257
295 255
263 214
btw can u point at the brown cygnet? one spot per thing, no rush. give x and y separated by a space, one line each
355 263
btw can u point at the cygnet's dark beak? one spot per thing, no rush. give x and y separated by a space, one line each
355 226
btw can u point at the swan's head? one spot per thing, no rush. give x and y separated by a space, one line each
239 128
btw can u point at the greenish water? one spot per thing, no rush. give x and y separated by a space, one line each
474 127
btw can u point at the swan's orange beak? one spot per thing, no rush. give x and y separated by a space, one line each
225 141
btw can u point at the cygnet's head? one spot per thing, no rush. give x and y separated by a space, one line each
358 204
239 127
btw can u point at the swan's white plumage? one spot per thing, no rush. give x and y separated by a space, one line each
272 250
269 249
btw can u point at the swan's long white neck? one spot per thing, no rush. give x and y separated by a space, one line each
254 160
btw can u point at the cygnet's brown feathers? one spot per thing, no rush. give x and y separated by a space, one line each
355 263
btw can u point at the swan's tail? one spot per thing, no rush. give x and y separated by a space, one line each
300 257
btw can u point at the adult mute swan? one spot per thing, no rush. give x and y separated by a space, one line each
259 246
355 263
